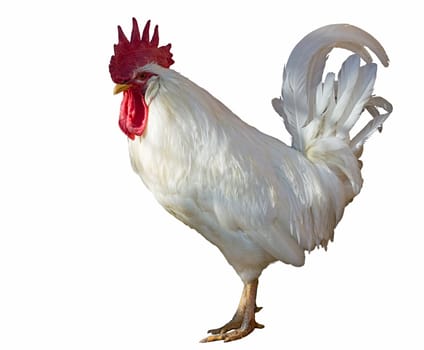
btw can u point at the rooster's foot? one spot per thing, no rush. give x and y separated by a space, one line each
243 322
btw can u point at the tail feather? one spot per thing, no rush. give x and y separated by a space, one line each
356 98
320 115
309 108
345 87
373 125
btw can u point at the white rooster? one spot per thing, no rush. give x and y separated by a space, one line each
255 198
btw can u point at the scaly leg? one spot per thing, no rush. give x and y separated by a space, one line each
243 322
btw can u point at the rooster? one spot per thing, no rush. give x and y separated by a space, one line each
255 198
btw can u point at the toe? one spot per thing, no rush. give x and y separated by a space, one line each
214 337
233 324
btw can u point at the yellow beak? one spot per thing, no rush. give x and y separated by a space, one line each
120 87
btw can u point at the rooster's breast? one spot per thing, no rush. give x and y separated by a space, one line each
209 195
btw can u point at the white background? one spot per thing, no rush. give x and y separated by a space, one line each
88 260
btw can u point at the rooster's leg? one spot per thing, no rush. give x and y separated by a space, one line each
243 321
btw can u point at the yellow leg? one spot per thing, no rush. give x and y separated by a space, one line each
243 322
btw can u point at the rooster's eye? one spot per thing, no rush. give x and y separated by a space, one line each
141 76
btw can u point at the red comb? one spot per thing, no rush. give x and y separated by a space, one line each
137 52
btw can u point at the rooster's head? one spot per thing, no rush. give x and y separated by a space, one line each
126 70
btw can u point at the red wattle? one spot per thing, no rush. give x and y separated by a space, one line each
133 115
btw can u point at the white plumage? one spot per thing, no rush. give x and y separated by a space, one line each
254 197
